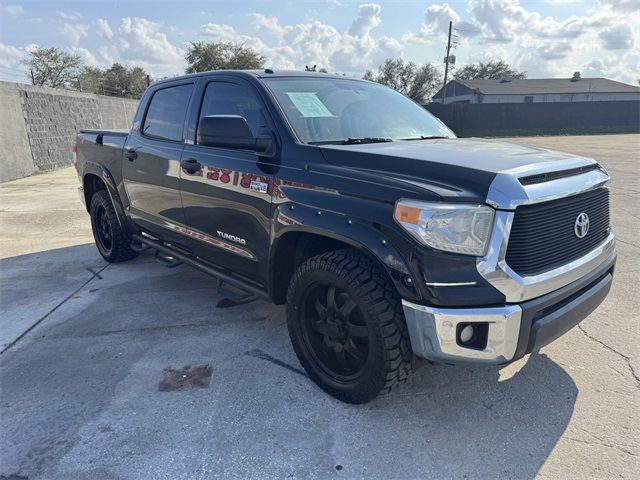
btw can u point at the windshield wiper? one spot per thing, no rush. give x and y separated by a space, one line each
357 140
426 137
352 141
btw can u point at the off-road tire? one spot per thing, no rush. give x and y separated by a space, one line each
119 249
389 361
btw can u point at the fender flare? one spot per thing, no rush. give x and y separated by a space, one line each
351 231
103 173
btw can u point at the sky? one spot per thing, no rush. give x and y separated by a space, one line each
545 38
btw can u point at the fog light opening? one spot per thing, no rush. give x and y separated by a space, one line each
472 335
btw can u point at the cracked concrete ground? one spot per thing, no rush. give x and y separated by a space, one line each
86 344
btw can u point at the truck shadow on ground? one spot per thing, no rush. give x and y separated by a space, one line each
93 368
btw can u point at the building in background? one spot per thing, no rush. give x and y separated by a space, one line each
537 90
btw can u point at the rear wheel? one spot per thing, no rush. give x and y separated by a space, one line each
347 328
113 243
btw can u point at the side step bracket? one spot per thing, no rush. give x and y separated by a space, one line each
231 298
171 257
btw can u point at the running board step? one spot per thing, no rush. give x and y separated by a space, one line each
167 252
168 261
231 298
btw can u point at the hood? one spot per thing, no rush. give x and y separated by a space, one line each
453 168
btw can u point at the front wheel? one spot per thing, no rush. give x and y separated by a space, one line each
114 244
346 324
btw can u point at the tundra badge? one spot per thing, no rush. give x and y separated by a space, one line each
233 238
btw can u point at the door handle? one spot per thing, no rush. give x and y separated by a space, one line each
131 154
191 165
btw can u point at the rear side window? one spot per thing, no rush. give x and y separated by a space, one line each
166 114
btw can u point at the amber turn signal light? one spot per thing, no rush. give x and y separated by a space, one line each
407 214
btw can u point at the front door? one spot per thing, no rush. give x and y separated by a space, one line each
227 197
151 163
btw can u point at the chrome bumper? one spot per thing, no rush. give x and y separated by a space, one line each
433 332
511 330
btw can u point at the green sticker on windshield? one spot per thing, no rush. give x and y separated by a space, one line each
308 104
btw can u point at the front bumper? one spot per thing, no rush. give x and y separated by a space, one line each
513 330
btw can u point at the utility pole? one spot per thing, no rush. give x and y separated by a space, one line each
446 65
33 80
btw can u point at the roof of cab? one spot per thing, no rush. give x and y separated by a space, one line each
265 73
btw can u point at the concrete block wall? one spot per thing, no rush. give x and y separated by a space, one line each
38 125
16 160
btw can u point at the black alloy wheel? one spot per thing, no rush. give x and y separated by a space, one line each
335 331
347 326
114 244
104 235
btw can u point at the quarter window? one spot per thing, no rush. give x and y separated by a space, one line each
166 114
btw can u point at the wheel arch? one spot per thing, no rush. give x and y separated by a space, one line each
308 234
98 177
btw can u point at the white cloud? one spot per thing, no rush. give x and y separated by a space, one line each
314 42
103 29
618 37
141 42
540 45
72 16
436 23
560 2
86 56
11 10
74 32
220 32
623 5
10 56
623 68
267 24
368 19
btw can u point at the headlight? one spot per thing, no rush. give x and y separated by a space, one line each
459 228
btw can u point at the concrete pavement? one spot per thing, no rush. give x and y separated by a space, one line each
86 345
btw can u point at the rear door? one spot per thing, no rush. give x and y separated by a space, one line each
227 201
151 163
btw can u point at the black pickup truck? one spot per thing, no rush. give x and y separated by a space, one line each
388 238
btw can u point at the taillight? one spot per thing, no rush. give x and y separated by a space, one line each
74 156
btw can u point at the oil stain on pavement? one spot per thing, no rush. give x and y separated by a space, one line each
185 378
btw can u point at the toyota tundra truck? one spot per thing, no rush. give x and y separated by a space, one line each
388 238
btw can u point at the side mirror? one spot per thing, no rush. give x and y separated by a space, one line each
232 131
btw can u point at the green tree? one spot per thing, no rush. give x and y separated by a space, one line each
50 67
418 82
124 81
493 70
116 81
204 56
90 80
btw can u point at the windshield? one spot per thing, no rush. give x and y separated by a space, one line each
333 110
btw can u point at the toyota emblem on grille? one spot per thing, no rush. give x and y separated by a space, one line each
581 227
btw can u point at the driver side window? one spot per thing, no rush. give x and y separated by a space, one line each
223 98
